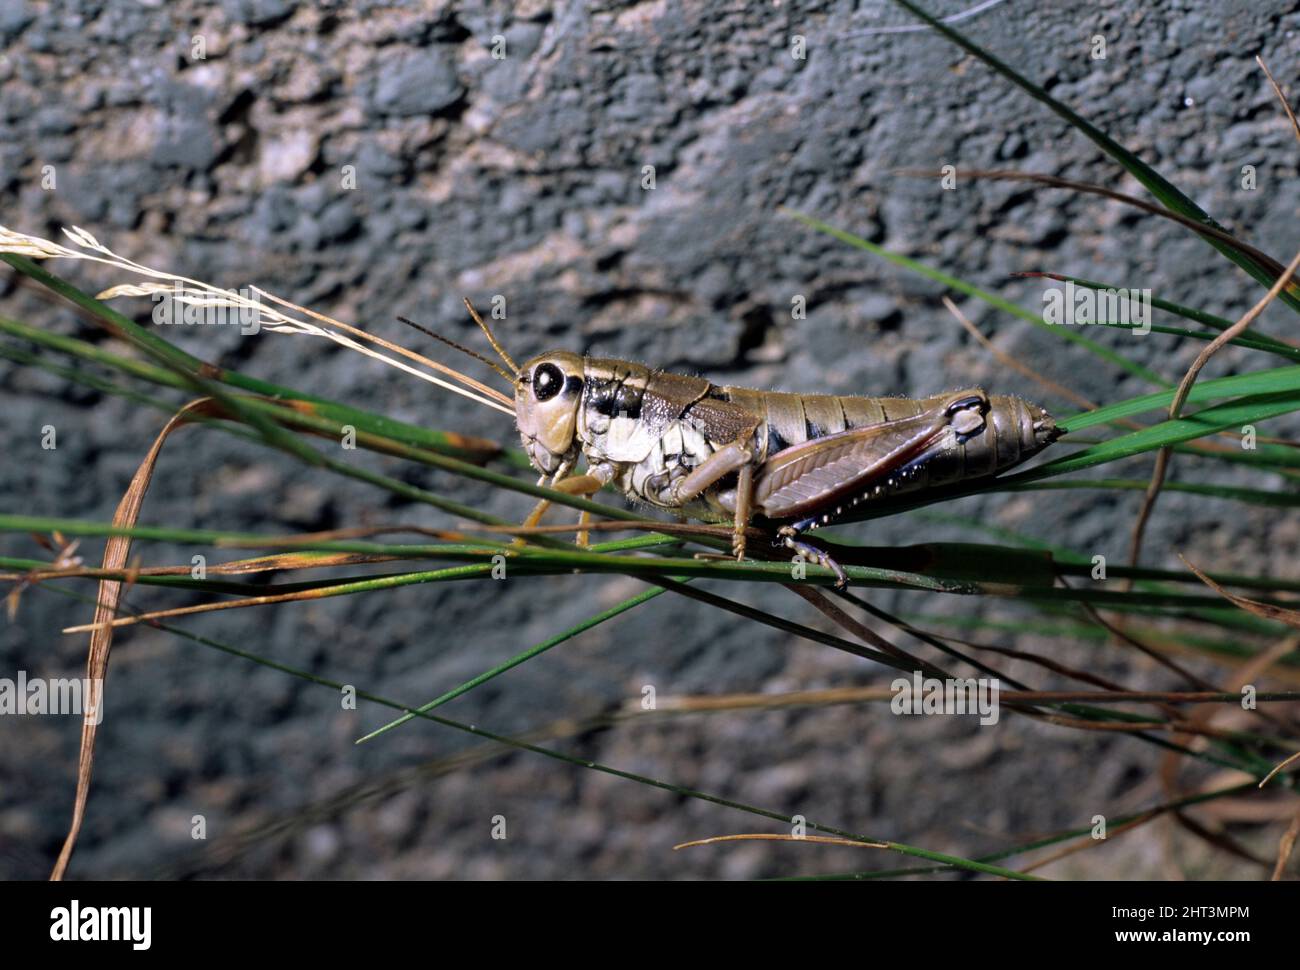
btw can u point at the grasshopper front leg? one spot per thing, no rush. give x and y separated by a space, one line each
587 486
583 485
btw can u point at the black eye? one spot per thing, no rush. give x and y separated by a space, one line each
547 381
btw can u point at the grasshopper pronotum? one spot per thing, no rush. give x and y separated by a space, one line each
800 461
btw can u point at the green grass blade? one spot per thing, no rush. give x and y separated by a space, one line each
519 658
992 299
1234 414
1251 496
589 765
1189 313
1279 380
1165 191
180 362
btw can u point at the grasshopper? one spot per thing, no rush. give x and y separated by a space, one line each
800 461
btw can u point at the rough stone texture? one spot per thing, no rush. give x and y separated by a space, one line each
522 177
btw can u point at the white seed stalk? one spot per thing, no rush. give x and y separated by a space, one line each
196 293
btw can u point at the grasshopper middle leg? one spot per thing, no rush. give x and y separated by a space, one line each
733 458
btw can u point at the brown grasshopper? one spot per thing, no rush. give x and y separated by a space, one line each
711 452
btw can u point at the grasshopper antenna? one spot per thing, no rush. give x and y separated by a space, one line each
491 339
464 350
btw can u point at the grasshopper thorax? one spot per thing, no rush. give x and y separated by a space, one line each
548 393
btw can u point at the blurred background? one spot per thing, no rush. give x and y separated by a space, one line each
522 176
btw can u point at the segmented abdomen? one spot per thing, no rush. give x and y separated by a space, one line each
1008 437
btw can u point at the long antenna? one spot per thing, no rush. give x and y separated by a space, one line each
491 339
506 405
464 350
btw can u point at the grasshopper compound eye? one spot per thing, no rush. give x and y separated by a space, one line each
547 381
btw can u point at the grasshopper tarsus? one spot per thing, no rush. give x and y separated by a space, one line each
738 546
789 537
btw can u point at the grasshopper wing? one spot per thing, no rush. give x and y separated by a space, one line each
805 479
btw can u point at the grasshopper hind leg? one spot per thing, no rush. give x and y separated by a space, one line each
815 482
788 536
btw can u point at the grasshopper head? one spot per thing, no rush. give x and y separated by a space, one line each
548 393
